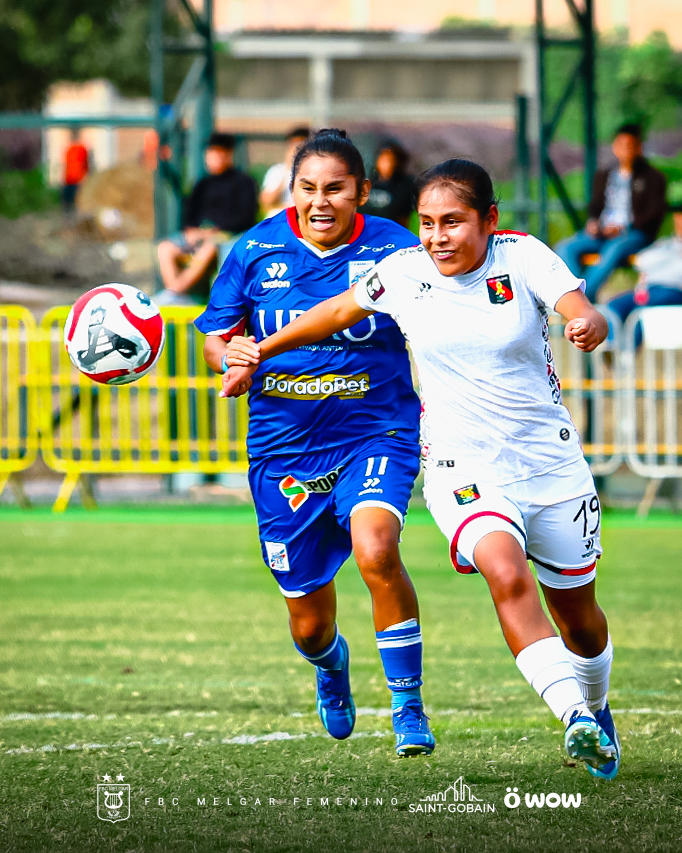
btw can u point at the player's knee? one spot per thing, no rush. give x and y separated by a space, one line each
377 556
509 581
312 632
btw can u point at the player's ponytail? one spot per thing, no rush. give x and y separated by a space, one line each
470 181
331 142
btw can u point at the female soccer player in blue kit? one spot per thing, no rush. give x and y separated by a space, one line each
506 479
333 428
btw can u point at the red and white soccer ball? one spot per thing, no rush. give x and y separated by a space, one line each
114 334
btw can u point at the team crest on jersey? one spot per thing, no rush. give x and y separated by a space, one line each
500 289
467 494
375 288
357 269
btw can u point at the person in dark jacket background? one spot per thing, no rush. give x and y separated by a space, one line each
625 213
391 192
222 205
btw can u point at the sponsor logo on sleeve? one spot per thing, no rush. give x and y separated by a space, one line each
500 289
375 288
316 387
467 494
358 269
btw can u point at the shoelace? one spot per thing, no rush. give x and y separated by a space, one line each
411 716
333 688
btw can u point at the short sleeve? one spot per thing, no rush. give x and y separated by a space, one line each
371 292
226 312
547 275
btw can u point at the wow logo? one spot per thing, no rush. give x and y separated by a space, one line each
295 491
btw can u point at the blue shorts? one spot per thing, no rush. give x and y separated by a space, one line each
304 505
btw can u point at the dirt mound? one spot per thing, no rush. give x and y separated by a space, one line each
120 201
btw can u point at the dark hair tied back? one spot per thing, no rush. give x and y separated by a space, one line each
331 142
471 182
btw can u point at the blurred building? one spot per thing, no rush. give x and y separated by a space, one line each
639 17
107 145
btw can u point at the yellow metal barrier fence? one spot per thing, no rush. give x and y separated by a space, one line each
169 421
18 425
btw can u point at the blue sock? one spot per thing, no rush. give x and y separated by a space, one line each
333 657
400 647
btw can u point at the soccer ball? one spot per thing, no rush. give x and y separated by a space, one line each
114 334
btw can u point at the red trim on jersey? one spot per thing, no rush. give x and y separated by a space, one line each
584 571
467 569
519 233
292 219
238 329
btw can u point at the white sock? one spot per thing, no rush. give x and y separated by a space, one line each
547 668
593 675
408 623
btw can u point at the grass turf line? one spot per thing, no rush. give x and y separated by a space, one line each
132 623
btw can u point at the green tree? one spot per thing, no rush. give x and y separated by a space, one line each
650 83
42 41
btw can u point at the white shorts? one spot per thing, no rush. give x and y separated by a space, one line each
556 518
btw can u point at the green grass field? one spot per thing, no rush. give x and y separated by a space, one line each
153 644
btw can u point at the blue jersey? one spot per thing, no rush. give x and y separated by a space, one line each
347 387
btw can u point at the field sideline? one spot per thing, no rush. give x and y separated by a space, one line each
152 643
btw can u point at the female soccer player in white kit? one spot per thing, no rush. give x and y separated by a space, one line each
506 480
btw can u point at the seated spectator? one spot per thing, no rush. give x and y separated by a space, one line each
391 193
660 274
221 207
625 213
275 194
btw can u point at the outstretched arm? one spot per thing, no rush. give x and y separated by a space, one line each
586 327
330 316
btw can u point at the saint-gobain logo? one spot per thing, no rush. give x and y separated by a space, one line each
457 797
113 801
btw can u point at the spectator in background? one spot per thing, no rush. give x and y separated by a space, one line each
76 168
391 193
625 212
660 274
221 207
275 193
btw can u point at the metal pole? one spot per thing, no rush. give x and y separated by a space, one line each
203 111
589 99
522 187
156 80
543 224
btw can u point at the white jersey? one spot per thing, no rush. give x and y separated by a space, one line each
492 398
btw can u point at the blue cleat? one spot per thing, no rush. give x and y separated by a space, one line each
411 727
334 701
587 741
610 770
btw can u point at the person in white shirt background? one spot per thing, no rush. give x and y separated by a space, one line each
660 273
506 480
275 194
